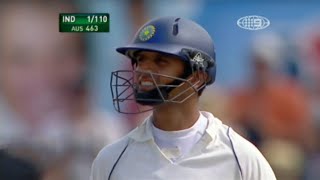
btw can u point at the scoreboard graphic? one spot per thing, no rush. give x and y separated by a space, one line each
84 22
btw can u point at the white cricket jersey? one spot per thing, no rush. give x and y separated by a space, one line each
220 154
175 144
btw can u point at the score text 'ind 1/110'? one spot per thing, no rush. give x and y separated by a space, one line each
84 22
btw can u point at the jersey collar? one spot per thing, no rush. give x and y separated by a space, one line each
144 131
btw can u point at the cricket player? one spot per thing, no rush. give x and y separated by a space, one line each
173 61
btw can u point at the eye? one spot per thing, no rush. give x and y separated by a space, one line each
162 61
140 59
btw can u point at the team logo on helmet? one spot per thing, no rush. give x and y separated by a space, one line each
147 33
198 60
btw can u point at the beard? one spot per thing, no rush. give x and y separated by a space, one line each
160 95
155 96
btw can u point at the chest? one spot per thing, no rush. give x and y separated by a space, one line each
148 162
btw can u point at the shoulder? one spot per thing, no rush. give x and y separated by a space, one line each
107 157
252 163
110 151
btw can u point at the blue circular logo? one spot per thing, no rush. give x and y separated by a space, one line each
147 33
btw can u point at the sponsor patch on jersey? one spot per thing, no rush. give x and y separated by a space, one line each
147 33
253 22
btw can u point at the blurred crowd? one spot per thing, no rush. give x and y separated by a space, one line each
277 109
46 116
49 127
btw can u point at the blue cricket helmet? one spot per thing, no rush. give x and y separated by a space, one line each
174 36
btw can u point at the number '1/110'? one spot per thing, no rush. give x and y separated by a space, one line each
95 19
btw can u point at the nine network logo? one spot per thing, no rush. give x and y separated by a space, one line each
253 22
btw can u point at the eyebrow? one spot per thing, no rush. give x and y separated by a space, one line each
139 55
158 56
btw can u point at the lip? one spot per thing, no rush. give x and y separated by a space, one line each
145 78
145 87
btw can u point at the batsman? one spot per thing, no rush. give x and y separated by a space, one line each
173 61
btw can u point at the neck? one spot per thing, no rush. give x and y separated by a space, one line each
174 117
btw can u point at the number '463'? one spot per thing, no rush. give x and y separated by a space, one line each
92 28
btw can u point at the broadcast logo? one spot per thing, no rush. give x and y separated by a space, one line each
253 22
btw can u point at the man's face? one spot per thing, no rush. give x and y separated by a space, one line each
153 62
38 65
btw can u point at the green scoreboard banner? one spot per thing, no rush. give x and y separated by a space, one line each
84 22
